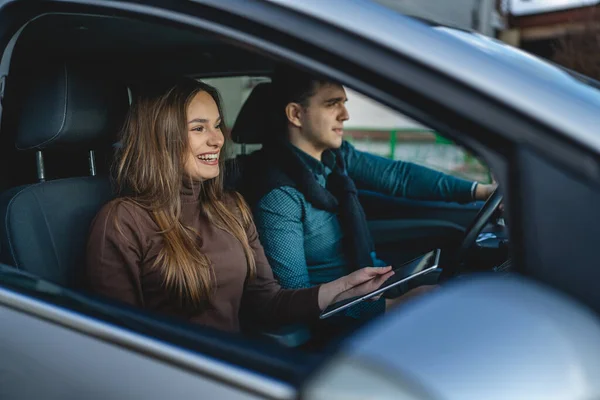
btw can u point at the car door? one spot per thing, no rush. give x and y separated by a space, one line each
58 344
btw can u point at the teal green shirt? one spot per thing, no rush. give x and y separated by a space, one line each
304 244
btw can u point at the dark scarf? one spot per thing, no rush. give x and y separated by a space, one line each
278 165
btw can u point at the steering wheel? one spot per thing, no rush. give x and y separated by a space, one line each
481 220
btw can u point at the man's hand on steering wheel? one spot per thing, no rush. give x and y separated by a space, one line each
482 218
484 191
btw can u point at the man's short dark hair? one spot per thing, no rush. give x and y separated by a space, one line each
291 85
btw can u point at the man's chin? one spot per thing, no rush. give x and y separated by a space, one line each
337 143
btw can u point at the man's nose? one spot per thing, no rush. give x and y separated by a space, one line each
344 116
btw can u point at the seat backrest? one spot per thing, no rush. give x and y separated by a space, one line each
44 226
252 125
255 119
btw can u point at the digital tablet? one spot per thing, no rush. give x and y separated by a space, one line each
407 271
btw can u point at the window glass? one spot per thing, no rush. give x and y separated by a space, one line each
234 92
379 130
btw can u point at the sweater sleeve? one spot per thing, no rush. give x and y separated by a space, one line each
267 300
114 253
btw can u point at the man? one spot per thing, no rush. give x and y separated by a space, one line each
303 193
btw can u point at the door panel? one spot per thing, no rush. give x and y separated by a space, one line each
43 360
403 228
378 207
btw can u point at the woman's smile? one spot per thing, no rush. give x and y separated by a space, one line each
209 158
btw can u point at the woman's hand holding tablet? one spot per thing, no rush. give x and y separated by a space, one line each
416 267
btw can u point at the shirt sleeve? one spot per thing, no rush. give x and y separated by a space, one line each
268 301
278 218
404 179
114 254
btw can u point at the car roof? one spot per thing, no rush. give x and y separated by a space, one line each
522 81
133 48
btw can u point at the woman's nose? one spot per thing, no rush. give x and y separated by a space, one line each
216 138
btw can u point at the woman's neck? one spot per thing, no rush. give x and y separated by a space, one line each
190 189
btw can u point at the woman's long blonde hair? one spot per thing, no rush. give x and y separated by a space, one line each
149 172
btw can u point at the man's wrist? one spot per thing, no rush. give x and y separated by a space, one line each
474 190
484 191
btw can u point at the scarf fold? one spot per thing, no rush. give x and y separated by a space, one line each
278 165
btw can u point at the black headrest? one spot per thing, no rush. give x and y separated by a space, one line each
64 105
255 118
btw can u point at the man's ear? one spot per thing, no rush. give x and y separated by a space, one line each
293 112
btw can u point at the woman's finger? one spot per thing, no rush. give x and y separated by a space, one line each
368 286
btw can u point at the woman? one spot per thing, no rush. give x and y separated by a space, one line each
174 241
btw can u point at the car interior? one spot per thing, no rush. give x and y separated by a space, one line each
71 80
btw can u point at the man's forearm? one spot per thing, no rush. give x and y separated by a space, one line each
405 179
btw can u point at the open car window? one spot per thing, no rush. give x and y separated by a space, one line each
377 129
372 127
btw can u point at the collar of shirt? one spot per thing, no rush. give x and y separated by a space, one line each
318 168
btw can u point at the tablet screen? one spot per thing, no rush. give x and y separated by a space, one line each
407 271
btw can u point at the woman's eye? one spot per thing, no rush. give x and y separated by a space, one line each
198 129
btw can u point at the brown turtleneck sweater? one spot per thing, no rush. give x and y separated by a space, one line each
120 267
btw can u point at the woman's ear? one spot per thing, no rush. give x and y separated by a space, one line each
293 112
